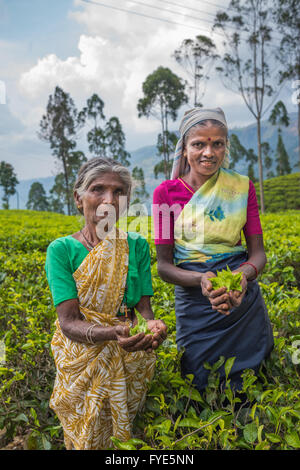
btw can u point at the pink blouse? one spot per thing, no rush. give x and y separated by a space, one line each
172 192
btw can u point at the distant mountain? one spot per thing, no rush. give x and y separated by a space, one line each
248 138
146 158
19 200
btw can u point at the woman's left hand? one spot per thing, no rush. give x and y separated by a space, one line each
236 296
159 330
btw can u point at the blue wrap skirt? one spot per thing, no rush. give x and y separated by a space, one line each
206 334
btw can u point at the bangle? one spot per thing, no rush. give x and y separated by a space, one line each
88 334
254 267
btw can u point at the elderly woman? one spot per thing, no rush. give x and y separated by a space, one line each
97 277
201 234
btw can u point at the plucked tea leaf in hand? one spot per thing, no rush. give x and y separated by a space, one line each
226 278
140 327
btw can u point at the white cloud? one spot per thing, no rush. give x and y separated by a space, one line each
115 55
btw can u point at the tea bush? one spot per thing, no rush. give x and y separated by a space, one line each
175 415
281 193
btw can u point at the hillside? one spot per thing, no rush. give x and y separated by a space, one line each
281 193
146 158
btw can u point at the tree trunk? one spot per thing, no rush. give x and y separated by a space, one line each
167 146
162 120
260 167
67 185
299 130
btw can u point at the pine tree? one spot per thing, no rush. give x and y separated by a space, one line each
279 117
282 158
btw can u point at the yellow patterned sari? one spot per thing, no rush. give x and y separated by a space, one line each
99 388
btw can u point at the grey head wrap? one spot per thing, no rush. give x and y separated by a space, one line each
190 119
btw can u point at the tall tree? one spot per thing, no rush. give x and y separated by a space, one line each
171 141
115 141
37 198
8 181
196 56
279 117
95 137
245 63
59 195
140 194
164 94
286 15
105 139
59 127
282 158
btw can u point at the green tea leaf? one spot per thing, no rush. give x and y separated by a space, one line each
122 445
250 433
228 365
273 437
225 278
141 326
189 423
293 440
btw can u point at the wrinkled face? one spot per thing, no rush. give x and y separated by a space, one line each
205 150
103 198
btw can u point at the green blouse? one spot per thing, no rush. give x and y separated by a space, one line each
65 255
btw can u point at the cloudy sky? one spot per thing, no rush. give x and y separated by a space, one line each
106 47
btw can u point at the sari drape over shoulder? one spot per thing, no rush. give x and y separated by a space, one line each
209 227
99 388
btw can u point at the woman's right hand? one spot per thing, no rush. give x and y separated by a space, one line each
218 298
138 342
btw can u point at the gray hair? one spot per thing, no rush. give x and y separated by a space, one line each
97 166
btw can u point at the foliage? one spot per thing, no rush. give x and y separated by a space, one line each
166 144
60 195
279 117
59 127
196 57
139 194
106 140
281 193
245 66
286 16
141 326
226 278
163 96
237 150
8 181
175 414
37 199
282 158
